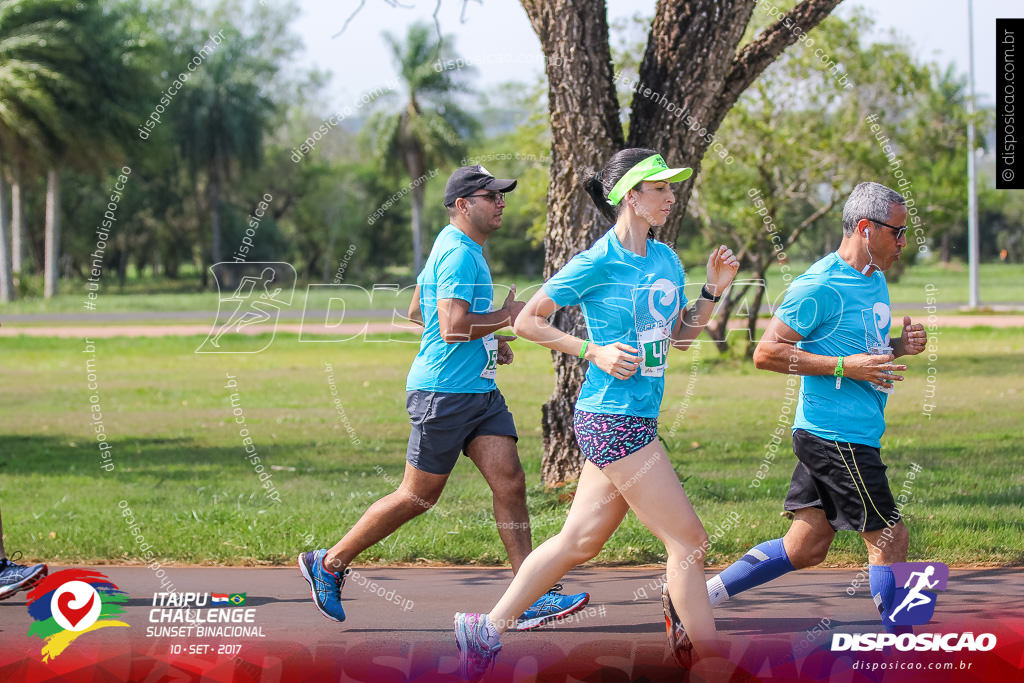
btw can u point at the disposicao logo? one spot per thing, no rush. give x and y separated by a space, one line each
913 605
916 583
70 603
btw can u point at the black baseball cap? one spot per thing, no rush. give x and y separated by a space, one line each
467 180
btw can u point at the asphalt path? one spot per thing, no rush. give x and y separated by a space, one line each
399 624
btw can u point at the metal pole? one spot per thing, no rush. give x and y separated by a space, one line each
972 194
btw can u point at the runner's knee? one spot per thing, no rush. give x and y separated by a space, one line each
512 485
809 552
580 547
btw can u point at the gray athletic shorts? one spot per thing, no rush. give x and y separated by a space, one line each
443 424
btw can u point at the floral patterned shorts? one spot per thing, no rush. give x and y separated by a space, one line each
606 438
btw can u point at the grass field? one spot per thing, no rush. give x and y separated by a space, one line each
179 462
999 284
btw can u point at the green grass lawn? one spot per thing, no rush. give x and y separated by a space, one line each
179 462
999 283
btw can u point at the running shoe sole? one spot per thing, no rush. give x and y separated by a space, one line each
682 651
473 665
24 585
307 574
537 622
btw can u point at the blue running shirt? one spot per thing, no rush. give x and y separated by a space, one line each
455 269
839 312
625 298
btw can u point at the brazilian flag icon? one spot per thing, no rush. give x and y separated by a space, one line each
237 599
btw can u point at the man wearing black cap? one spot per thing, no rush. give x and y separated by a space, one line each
453 402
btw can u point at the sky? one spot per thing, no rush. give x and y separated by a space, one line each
496 37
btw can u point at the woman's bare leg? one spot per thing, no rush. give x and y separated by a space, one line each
651 488
597 510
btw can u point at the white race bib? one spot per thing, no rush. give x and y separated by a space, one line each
654 345
490 370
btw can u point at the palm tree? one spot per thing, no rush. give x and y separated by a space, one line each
429 128
104 95
35 46
223 113
70 89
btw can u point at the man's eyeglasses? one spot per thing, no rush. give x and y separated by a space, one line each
491 196
900 231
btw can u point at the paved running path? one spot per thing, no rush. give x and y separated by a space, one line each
350 330
621 629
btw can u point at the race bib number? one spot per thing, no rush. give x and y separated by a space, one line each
654 345
491 347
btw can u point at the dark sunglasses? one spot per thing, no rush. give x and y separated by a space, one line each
900 231
491 196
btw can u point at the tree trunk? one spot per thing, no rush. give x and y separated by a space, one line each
691 63
6 281
585 132
414 163
214 191
755 309
52 239
946 249
718 327
17 224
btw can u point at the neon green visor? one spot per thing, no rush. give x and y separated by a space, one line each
651 169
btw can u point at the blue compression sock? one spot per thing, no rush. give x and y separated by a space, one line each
883 590
761 564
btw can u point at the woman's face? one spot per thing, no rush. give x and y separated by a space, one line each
652 201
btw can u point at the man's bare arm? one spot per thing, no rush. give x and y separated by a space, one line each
415 314
777 351
459 325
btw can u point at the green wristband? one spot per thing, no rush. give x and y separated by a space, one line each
839 368
583 349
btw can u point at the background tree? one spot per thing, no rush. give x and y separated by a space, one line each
693 58
37 54
799 141
429 128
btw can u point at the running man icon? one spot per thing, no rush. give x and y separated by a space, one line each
915 601
915 598
254 303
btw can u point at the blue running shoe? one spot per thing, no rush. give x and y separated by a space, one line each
476 654
18 577
324 585
678 641
552 605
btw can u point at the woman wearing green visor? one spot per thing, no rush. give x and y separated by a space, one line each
630 289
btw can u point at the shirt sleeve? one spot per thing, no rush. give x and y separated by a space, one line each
571 285
808 303
456 275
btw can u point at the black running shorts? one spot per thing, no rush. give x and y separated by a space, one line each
846 480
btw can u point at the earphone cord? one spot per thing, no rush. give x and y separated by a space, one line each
871 261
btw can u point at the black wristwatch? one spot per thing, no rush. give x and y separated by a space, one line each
705 294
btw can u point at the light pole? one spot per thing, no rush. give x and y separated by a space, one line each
972 194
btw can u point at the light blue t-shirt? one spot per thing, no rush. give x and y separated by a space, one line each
455 269
839 312
625 298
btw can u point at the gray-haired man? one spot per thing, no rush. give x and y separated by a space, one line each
832 329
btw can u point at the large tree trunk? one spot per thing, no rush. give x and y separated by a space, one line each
6 281
585 131
17 224
51 258
691 62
